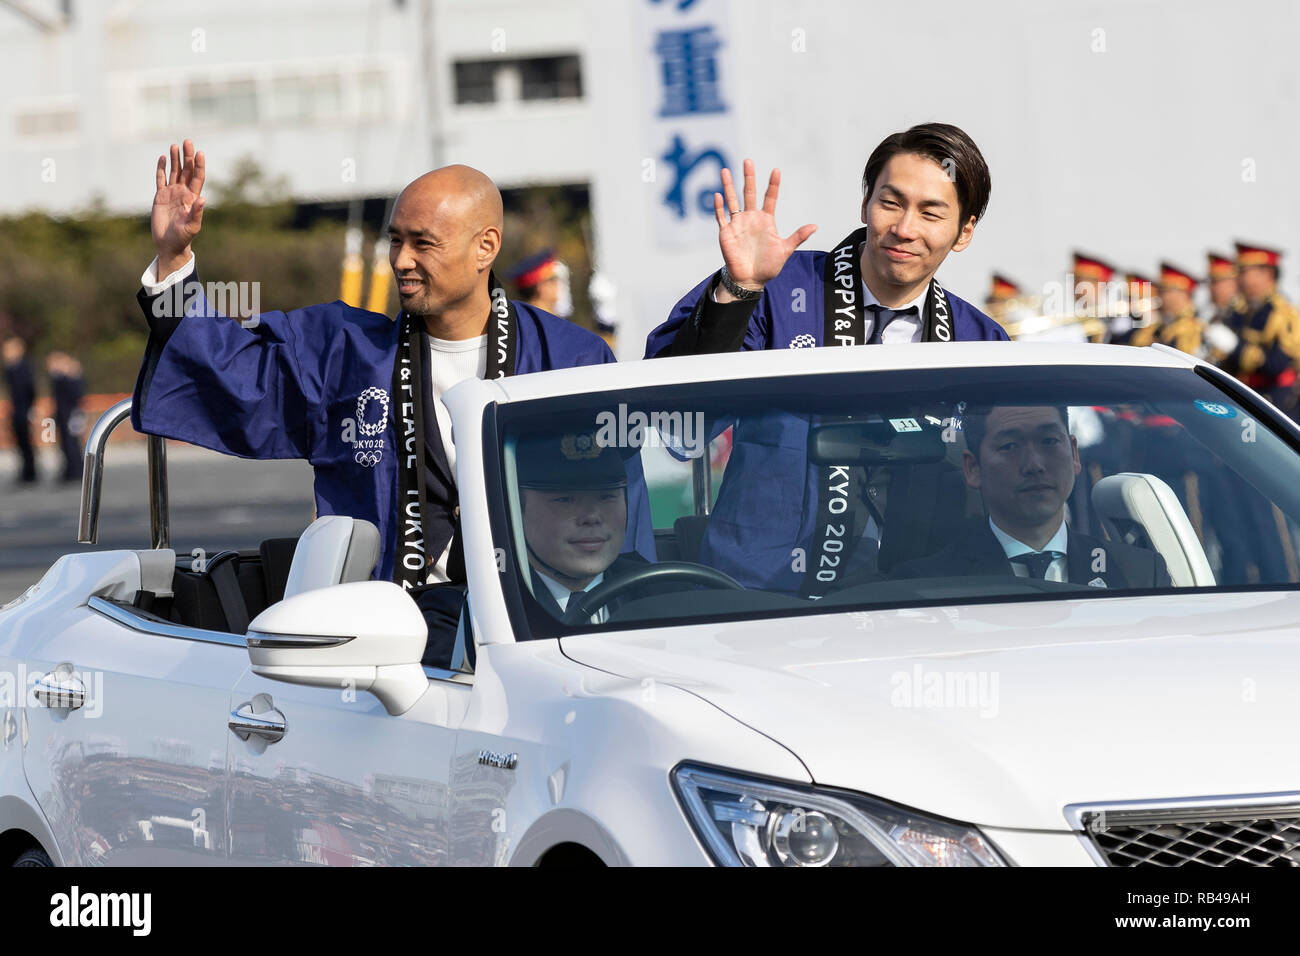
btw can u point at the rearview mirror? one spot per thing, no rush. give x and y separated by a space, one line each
894 441
368 634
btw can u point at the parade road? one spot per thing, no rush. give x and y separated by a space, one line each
217 503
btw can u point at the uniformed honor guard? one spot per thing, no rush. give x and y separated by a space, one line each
1004 295
537 281
1093 299
355 393
1140 312
1177 323
923 192
1268 328
1221 279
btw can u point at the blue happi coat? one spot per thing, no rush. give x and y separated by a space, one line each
283 387
767 504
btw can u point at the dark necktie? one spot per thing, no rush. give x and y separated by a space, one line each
1037 562
883 317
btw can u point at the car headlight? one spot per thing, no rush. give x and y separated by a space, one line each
745 821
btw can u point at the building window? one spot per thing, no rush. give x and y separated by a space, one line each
474 83
551 78
223 103
156 103
286 94
44 123
372 94
530 79
306 99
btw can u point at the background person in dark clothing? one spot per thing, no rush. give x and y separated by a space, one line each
68 388
22 393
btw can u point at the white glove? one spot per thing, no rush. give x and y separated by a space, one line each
1220 338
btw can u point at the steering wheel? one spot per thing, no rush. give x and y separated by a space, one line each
582 606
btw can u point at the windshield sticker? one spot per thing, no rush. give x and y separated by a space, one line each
1216 409
904 424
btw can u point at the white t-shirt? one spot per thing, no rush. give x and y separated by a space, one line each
450 363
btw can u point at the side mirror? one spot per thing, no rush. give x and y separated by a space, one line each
369 632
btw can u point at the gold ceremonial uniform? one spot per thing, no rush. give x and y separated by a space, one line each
1270 340
1184 332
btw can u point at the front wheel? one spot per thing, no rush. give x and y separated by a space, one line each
36 857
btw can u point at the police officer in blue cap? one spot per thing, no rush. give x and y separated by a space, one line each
573 496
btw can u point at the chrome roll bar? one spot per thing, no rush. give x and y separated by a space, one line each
702 483
92 480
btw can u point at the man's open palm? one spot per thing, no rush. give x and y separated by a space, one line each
177 204
751 246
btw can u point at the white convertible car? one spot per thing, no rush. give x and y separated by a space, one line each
821 666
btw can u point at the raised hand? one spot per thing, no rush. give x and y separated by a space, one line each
177 206
751 246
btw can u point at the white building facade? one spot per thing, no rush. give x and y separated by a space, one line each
1122 128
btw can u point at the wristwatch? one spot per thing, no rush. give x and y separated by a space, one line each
739 291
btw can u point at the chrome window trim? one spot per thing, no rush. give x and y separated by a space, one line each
1074 812
126 617
267 640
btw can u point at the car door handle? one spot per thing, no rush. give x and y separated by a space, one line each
258 718
60 690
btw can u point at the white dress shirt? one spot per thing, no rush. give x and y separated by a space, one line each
904 328
562 595
153 285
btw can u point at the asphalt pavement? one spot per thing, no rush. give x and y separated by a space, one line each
217 503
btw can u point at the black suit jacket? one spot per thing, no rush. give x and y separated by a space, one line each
977 552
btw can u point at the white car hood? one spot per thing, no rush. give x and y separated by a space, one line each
1097 700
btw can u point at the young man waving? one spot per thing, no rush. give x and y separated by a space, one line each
924 190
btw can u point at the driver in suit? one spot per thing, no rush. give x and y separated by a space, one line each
1023 461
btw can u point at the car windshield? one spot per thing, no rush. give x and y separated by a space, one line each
889 489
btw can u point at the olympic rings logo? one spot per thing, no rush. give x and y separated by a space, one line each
368 428
369 458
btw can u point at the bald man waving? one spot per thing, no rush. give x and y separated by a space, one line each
337 385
